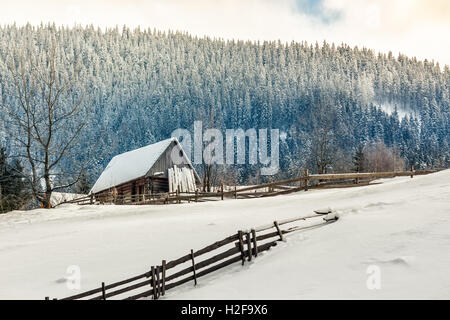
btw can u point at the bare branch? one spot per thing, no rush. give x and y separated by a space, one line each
42 112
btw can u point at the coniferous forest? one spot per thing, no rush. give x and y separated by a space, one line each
140 85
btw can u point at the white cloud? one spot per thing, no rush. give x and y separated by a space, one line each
414 27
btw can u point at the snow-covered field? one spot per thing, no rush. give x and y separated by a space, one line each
402 227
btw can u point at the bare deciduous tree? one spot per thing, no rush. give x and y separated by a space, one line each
209 167
322 142
322 149
378 158
208 174
46 118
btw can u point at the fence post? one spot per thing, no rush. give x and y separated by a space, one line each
221 191
412 172
158 283
103 291
307 180
249 246
255 246
163 277
153 282
92 198
193 267
279 231
196 195
241 247
235 192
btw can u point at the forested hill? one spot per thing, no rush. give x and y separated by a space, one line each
144 84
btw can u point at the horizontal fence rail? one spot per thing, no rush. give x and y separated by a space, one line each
242 246
270 189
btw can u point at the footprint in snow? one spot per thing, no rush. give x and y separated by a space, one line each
61 280
378 204
405 261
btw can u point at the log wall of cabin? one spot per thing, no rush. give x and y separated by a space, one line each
158 185
140 186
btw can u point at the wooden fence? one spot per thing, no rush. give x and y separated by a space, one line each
306 182
240 247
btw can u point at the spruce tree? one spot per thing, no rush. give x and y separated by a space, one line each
83 185
358 159
12 187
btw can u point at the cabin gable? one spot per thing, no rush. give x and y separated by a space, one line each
165 161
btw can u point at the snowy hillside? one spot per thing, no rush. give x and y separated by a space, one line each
401 226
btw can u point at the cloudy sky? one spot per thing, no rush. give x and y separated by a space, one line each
414 27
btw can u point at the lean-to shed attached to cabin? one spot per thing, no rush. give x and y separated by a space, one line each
157 168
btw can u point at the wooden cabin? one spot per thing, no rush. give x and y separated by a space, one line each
155 169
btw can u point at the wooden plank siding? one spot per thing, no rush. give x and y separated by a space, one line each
140 186
165 161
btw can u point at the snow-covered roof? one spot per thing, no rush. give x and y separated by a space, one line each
130 165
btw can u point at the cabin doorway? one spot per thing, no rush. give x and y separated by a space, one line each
133 192
141 192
